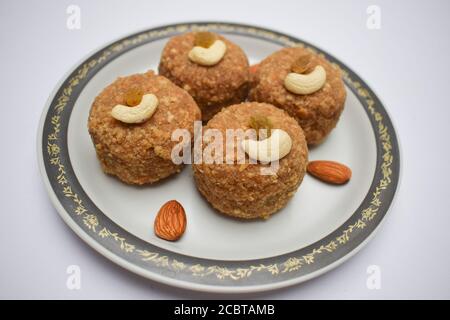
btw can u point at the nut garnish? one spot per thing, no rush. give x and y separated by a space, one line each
259 123
271 149
306 83
329 171
204 39
208 56
303 64
138 114
170 223
133 97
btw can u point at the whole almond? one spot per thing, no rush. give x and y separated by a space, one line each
170 223
329 171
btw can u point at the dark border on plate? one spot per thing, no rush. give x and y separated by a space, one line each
201 271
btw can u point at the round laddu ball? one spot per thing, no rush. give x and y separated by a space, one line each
212 87
140 153
318 112
241 189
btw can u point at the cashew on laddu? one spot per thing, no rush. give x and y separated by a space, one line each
208 56
306 83
275 147
138 114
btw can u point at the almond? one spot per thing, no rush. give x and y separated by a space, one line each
329 171
170 223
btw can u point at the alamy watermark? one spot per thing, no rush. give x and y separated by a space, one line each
211 147
73 21
373 281
374 17
73 281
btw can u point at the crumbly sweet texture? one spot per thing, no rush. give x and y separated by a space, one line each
317 113
140 153
239 190
212 87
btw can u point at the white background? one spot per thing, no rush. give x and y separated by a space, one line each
406 62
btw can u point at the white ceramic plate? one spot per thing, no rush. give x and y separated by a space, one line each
319 228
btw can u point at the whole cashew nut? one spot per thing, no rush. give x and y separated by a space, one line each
306 83
138 114
275 147
208 56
